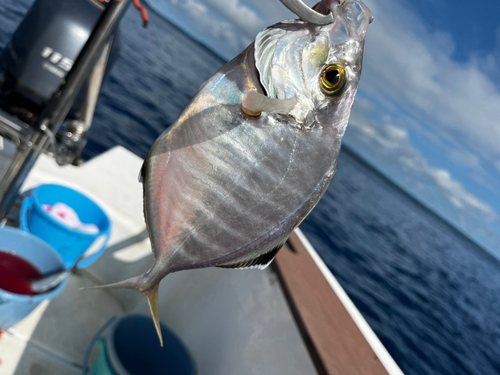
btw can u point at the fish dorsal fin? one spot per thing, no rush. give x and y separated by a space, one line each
260 262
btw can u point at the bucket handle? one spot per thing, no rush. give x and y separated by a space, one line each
87 261
94 340
25 207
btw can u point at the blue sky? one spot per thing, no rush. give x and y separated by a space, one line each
428 107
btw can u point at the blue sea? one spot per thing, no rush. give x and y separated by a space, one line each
429 293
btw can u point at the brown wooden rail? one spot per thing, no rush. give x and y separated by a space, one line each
334 341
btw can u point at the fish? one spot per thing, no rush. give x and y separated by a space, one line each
256 147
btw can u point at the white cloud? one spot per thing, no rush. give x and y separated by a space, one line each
395 133
393 142
389 138
411 66
239 14
491 61
203 22
453 108
457 195
219 29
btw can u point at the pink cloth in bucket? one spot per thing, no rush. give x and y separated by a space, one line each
68 217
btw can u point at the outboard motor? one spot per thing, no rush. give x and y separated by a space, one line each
51 73
42 51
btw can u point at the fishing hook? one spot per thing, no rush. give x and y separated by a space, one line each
302 10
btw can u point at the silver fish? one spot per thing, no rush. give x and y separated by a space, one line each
255 149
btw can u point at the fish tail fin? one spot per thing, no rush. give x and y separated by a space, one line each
151 295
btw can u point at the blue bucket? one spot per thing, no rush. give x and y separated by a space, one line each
70 243
131 347
15 307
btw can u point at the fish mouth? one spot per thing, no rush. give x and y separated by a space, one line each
254 75
324 6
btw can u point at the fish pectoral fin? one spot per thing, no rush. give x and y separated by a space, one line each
254 103
260 262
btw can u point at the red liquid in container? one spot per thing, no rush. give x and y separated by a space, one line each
16 274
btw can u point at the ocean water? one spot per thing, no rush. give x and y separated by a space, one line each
430 294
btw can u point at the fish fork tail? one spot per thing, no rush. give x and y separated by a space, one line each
151 295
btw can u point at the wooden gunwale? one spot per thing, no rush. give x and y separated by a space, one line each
337 337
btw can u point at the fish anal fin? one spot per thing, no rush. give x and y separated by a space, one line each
260 262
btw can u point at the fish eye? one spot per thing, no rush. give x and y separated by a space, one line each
333 79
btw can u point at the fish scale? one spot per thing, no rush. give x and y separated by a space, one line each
223 187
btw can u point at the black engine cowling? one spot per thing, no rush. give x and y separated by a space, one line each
42 51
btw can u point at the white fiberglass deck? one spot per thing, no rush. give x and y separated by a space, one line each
232 321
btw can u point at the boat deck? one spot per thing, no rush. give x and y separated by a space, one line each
232 321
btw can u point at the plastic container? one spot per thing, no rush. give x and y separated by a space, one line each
69 242
15 307
131 347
